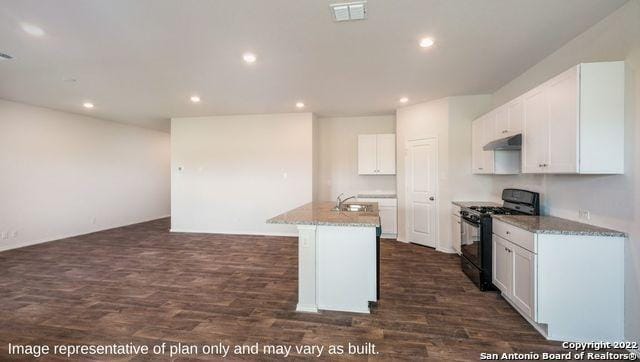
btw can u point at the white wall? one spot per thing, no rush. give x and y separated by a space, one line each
448 120
239 171
337 170
64 174
612 200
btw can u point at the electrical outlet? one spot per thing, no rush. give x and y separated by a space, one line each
584 214
4 235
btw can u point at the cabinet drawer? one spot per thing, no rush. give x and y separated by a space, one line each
515 235
382 202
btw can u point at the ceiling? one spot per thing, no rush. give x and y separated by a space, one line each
140 61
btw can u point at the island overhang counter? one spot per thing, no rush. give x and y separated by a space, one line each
337 256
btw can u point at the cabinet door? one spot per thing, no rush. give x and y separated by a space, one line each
455 233
386 154
501 122
563 123
477 155
388 220
367 159
501 265
535 132
515 110
524 280
489 132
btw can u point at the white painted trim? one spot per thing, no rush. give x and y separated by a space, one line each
235 232
447 251
306 308
8 246
540 327
437 191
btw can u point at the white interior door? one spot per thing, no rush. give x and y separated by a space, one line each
421 180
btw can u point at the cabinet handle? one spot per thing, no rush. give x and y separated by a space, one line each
505 131
480 168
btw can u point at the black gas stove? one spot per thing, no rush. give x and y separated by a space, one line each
476 232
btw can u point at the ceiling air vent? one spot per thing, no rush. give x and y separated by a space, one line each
4 56
349 11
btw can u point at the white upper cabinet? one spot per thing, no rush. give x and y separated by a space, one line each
489 130
574 123
386 155
477 157
515 111
377 154
508 119
483 131
501 122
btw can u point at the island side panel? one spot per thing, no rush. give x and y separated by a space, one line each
346 268
581 287
307 269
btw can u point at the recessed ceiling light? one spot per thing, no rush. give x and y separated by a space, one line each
404 100
88 105
195 99
249 57
426 42
299 105
32 29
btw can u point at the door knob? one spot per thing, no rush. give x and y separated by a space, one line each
431 198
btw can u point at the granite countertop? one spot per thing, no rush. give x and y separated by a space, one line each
475 203
320 213
555 225
376 196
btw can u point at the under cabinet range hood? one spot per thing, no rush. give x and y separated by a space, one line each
506 144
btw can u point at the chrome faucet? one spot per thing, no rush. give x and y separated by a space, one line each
340 201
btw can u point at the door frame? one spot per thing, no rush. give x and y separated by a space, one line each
436 191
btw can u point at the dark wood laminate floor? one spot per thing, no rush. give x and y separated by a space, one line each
144 285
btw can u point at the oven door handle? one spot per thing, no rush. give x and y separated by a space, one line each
472 223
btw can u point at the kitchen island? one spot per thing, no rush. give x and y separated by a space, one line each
337 255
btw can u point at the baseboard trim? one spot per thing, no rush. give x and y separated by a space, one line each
447 251
223 232
73 235
306 308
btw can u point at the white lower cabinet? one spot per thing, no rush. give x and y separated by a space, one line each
523 272
388 220
569 287
502 273
388 209
456 229
515 275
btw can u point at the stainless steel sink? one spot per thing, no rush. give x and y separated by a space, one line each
354 208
